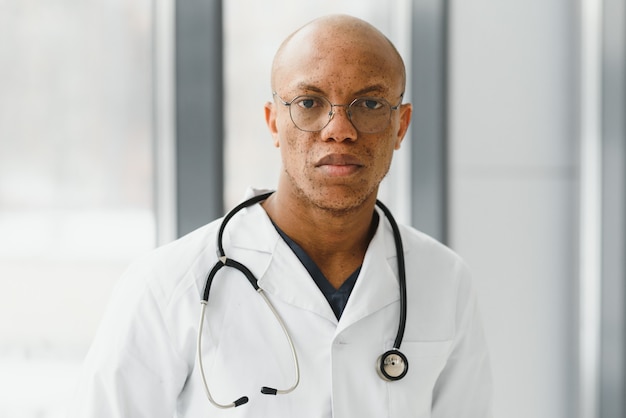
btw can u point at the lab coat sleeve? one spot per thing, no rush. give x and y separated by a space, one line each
132 369
464 388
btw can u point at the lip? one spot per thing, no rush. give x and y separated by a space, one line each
339 165
338 160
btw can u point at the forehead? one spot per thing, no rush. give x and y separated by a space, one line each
338 61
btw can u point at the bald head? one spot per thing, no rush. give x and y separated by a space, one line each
340 38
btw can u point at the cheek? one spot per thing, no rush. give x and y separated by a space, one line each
293 148
384 148
382 157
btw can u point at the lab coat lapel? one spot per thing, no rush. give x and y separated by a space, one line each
377 284
278 270
289 280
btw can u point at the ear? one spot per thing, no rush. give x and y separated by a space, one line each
406 110
270 120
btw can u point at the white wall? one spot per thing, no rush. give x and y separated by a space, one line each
513 163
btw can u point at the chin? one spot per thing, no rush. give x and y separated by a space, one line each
335 198
339 201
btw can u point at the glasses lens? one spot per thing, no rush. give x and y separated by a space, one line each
367 114
310 113
370 114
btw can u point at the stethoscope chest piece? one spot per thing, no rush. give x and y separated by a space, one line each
392 365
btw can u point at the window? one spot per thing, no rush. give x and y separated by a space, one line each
76 183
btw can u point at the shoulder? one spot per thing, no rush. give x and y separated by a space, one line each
182 266
438 280
172 269
434 268
420 246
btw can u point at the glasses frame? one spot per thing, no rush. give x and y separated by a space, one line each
331 114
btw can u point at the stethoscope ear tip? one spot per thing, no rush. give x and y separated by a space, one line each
241 401
268 391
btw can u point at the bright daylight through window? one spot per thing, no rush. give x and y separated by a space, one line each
75 183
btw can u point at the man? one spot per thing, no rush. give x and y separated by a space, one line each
325 259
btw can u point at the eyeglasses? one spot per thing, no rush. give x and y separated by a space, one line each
312 113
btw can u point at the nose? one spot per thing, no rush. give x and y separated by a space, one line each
339 127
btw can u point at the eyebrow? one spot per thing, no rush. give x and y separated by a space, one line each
309 87
379 88
374 88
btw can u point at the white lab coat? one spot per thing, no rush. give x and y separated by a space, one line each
143 360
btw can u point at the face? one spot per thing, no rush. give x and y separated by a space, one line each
337 168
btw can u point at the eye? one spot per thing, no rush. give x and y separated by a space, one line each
308 102
370 103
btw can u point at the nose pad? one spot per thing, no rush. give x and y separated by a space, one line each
333 112
342 131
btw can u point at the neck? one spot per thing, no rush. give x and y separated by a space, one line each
335 240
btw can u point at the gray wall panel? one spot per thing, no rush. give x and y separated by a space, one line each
428 95
613 336
199 112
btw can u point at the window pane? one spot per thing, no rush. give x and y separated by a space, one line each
76 180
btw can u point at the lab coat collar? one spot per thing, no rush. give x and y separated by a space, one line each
377 284
281 274
278 270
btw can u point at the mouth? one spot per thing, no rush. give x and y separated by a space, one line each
338 165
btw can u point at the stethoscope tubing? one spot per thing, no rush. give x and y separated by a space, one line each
265 390
271 391
392 355
238 402
401 273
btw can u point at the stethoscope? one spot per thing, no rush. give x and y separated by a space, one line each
391 365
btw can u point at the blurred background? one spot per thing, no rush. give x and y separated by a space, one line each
124 125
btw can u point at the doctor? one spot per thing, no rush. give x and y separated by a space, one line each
327 267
